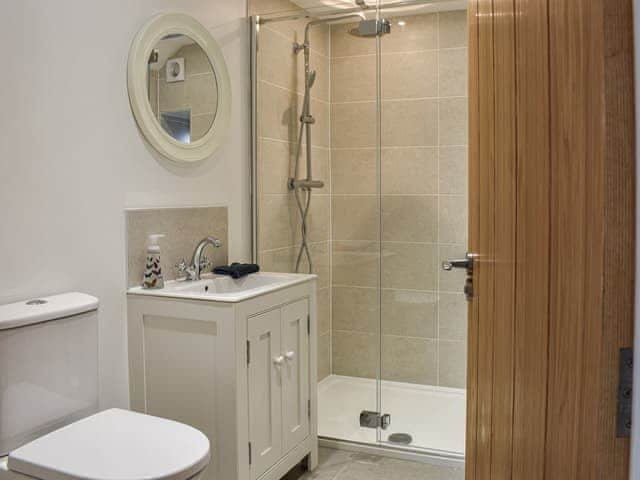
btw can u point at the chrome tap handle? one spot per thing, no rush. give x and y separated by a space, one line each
184 270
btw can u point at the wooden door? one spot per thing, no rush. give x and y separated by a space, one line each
265 390
552 221
295 374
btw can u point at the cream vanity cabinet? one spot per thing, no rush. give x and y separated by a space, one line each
242 371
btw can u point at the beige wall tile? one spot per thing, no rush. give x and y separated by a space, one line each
172 96
354 217
453 364
409 123
453 121
195 60
409 266
278 112
281 260
318 219
453 170
324 356
410 170
452 316
321 263
320 257
355 309
419 33
277 63
320 38
409 218
452 219
353 171
353 78
183 227
321 160
321 130
275 160
278 222
353 125
412 360
408 75
201 96
452 281
324 310
354 354
452 29
200 125
453 72
409 313
344 44
355 263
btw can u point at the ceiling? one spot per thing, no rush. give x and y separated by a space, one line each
325 7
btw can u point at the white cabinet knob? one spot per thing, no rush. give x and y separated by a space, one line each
290 355
278 360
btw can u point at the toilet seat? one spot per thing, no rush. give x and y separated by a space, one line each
115 445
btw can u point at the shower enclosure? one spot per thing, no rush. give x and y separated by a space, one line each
360 175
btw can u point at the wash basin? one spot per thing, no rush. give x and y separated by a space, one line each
222 288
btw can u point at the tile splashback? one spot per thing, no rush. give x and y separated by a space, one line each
183 227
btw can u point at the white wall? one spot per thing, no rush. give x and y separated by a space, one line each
71 158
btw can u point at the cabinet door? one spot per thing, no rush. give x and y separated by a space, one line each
265 391
295 374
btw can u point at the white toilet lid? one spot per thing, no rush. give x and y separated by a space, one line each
115 445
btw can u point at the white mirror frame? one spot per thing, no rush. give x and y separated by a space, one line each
145 41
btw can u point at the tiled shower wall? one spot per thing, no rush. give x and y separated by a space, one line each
280 95
423 182
423 203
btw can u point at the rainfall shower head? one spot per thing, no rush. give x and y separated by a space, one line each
371 28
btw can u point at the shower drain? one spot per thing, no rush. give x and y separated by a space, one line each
402 438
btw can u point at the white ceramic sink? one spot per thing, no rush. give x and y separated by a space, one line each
222 288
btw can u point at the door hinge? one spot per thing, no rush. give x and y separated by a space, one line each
250 456
248 352
309 409
625 391
308 324
369 419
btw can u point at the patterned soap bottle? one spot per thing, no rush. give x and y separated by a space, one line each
152 269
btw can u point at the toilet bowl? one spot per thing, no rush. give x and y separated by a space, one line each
112 445
49 395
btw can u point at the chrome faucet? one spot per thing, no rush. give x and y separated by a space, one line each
198 261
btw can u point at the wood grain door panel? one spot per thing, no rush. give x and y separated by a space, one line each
552 214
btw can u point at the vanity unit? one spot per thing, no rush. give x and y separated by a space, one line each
235 359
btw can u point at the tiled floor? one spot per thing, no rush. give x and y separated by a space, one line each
342 465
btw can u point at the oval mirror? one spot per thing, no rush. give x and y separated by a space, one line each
179 87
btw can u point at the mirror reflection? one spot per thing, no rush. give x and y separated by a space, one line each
182 88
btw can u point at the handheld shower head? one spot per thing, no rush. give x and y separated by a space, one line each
311 79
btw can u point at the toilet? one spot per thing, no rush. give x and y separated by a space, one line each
50 426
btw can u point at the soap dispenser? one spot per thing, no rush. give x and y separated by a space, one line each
153 270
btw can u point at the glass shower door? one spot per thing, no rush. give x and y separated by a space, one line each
422 83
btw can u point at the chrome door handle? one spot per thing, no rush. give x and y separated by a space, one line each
277 361
290 355
466 263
